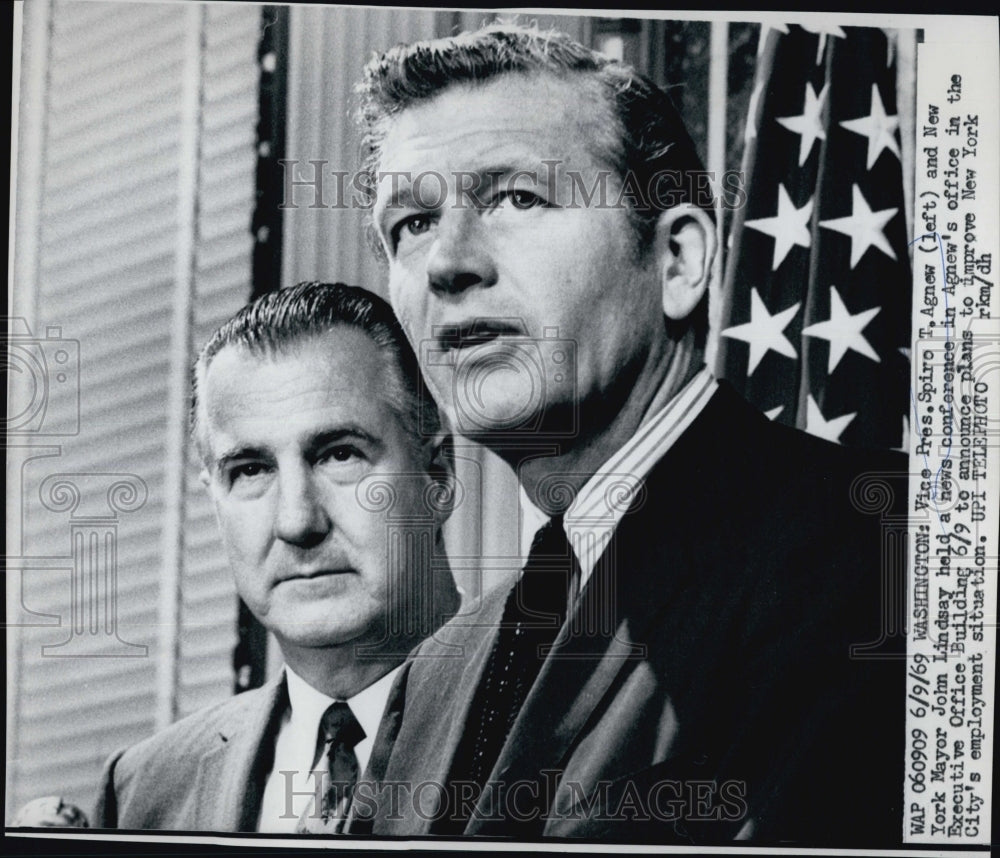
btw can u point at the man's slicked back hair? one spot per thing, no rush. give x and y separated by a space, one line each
278 321
650 140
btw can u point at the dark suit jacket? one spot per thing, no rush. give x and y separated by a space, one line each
719 699
204 773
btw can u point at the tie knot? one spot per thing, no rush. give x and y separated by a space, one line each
340 726
550 541
550 575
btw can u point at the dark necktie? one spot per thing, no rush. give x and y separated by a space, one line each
534 613
341 732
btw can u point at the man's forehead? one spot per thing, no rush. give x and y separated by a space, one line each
540 113
340 361
316 385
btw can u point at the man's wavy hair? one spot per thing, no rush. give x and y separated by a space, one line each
650 137
278 321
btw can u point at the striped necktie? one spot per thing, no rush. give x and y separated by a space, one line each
341 732
535 611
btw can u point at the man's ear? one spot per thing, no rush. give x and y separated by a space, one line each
441 469
685 246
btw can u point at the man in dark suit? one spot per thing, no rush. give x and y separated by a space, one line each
680 659
330 505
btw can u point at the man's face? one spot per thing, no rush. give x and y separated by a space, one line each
302 448
524 255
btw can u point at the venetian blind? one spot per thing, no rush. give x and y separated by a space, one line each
111 227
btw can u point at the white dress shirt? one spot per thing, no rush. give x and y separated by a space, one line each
599 505
297 747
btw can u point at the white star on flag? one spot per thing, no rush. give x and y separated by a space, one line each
865 227
790 226
751 129
818 425
843 331
878 126
823 30
809 124
764 332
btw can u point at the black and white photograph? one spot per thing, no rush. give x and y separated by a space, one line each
458 429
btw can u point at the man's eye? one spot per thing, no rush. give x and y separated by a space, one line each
342 453
411 226
246 471
518 199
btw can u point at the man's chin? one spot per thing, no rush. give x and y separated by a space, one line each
319 631
496 419
319 639
491 412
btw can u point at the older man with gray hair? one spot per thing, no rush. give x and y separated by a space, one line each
330 497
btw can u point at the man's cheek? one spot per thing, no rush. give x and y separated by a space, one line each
243 537
441 381
398 294
409 301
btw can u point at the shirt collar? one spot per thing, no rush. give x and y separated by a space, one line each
602 501
308 705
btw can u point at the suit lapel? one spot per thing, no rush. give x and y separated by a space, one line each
389 726
610 619
437 700
229 781
578 673
359 822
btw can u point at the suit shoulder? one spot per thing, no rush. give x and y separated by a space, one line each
186 738
798 445
478 615
859 481
794 463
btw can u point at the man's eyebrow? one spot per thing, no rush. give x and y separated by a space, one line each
313 445
487 176
490 176
501 171
238 454
350 432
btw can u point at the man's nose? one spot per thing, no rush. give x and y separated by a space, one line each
460 258
302 519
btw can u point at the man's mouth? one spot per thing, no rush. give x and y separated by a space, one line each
477 332
314 574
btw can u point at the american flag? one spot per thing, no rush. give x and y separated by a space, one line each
815 321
